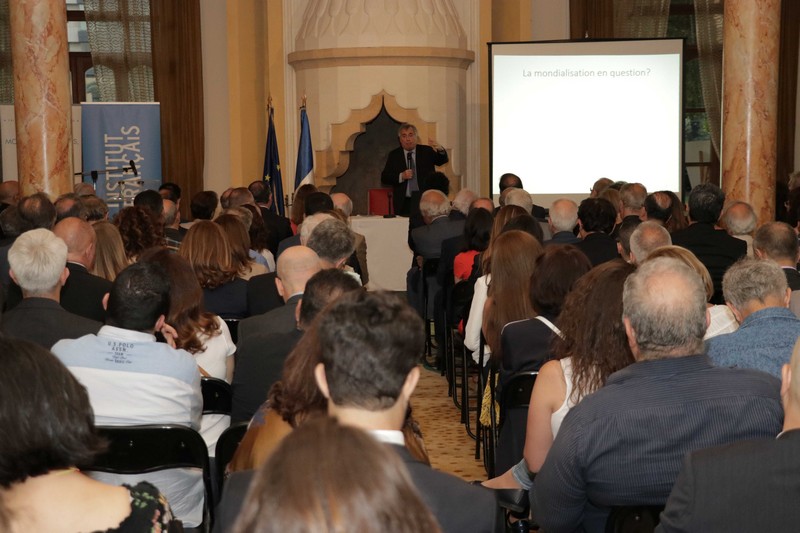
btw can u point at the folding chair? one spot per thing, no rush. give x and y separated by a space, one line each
148 449
634 519
226 447
217 396
233 327
429 267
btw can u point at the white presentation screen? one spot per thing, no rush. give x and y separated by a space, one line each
565 114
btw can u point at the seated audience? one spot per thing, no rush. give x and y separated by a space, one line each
746 486
562 219
239 242
38 262
32 212
477 231
83 292
172 225
624 232
203 206
678 219
314 202
343 203
83 189
47 436
259 237
658 208
599 186
261 356
96 208
134 380
462 203
110 257
298 211
278 227
633 196
757 294
202 334
139 229
647 237
611 193
294 271
69 205
153 202
208 251
596 221
777 241
624 444
358 484
740 221
713 247
720 317
334 242
592 346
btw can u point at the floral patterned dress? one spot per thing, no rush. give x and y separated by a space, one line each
150 512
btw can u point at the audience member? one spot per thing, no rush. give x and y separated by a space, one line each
599 186
563 218
334 243
624 232
509 180
358 483
154 204
240 196
477 231
133 380
713 247
38 262
202 334
203 206
677 220
519 197
83 189
777 241
208 251
314 203
172 225
638 421
757 294
590 347
83 292
633 196
278 227
110 257
261 356
294 271
740 221
225 198
461 204
259 236
69 205
612 195
139 229
720 317
171 191
343 203
32 212
648 236
47 436
298 211
10 225
9 194
239 242
596 223
96 208
746 486
658 207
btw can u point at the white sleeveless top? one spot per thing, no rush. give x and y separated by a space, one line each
558 416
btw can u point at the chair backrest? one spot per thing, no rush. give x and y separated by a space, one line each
216 396
233 327
226 447
517 392
145 449
634 519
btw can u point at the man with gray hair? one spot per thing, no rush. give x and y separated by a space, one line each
334 243
172 225
562 220
757 294
740 221
624 444
38 262
633 196
647 237
778 241
462 203
343 203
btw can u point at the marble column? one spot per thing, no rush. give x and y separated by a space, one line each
42 104
750 103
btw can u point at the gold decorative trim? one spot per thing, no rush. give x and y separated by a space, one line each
382 56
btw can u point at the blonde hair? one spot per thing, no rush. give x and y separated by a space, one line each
110 256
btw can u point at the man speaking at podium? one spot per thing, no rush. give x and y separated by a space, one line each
408 166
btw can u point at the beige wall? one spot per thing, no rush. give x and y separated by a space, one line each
216 110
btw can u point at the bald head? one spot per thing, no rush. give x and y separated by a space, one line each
296 265
740 219
9 192
433 204
80 239
483 203
647 237
342 202
563 215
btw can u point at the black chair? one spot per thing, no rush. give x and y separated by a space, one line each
516 394
216 396
634 519
226 447
146 449
233 327
429 267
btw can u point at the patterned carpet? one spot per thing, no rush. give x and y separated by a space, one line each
449 447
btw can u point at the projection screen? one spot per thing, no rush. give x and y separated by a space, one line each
564 114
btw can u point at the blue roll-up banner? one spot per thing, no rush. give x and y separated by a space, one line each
113 135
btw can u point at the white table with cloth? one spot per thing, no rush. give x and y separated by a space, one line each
388 254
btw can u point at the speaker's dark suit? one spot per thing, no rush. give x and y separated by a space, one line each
426 160
714 248
456 505
746 486
45 322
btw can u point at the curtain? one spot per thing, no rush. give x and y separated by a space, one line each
119 37
787 88
634 19
6 71
178 76
591 19
708 24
